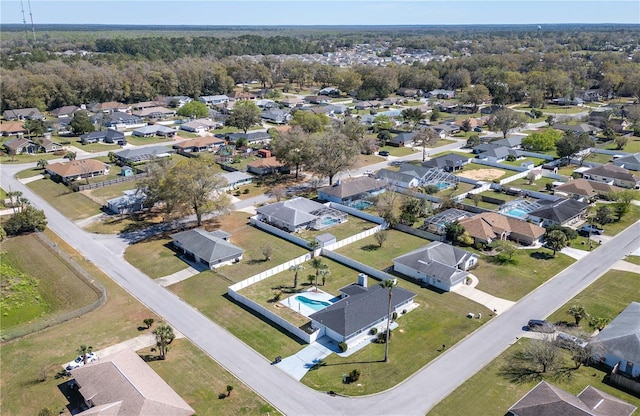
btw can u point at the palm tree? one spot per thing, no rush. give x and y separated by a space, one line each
388 284
578 312
317 264
324 273
42 163
164 335
84 350
296 268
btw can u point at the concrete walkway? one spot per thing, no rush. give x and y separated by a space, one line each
85 222
497 305
625 266
178 276
298 364
31 179
574 253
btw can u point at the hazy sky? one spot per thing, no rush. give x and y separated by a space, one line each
327 12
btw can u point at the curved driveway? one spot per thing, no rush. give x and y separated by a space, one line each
416 396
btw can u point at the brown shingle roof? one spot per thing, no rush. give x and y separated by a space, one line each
585 187
11 127
199 142
76 167
267 162
489 225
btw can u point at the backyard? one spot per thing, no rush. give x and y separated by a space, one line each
353 226
489 392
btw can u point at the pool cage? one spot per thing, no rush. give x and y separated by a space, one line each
518 206
328 217
438 223
439 178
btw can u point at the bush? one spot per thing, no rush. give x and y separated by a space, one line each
382 337
431 189
373 331
246 191
354 375
394 315
343 346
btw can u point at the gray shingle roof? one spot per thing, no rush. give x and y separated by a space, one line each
450 160
104 134
416 170
612 171
561 210
143 151
393 176
360 309
296 211
634 158
438 260
621 337
206 246
403 138
354 186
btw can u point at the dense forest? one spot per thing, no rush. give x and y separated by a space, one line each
130 64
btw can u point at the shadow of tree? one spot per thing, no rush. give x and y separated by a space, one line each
150 358
370 247
539 255
519 374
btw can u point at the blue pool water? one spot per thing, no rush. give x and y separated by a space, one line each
361 204
316 305
517 212
443 185
330 221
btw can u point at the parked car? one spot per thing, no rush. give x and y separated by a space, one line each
477 129
368 172
569 341
587 230
383 153
538 325
79 361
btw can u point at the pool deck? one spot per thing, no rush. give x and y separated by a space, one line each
292 303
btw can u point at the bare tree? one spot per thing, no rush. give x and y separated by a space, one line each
267 251
381 236
542 353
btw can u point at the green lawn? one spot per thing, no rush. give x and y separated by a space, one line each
567 170
628 219
5 159
632 146
536 161
353 226
513 281
139 141
461 188
367 250
540 185
102 194
155 258
207 292
73 205
598 158
29 173
397 151
633 259
199 381
97 147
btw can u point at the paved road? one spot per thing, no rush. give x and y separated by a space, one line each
415 396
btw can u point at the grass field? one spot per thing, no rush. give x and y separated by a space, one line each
513 281
633 259
536 161
6 159
628 219
155 258
462 188
353 226
36 282
29 173
632 146
397 151
73 205
539 185
490 393
200 380
101 195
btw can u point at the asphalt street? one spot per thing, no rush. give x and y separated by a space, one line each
416 396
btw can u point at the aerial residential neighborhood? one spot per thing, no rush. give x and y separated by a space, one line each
355 220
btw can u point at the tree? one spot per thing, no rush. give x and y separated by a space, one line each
506 250
621 142
473 141
347 80
353 129
381 236
318 264
194 109
331 153
229 390
84 350
475 95
475 198
542 353
388 284
413 115
148 322
603 215
70 155
81 123
505 120
622 203
435 114
453 231
382 122
25 220
598 322
310 122
556 240
324 273
267 251
296 268
384 136
34 127
578 312
541 141
571 144
424 138
164 336
42 163
244 115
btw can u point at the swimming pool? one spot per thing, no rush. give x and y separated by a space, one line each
309 302
361 204
443 185
517 212
316 305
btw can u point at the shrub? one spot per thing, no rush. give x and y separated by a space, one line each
394 315
373 331
246 191
431 189
382 337
404 311
354 375
343 346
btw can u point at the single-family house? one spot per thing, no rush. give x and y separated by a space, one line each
12 128
317 99
21 145
360 308
495 153
23 114
154 130
142 154
236 179
618 344
614 175
437 264
290 102
329 91
449 129
49 146
105 136
199 125
513 141
437 224
108 107
265 104
199 144
241 95
490 109
266 166
299 214
561 212
584 189
403 139
210 248
77 169
157 112
567 101
349 191
251 137
214 99
275 116
408 92
366 105
578 128
146 104
132 201
395 178
545 399
65 111
489 226
118 120
449 163
441 94
448 106
122 384
629 162
177 101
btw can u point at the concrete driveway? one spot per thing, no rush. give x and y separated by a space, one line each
298 364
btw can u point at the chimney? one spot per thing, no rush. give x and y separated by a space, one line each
363 279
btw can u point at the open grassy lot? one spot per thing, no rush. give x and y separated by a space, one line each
37 282
199 381
461 188
366 160
207 292
632 146
155 257
629 218
368 252
482 204
490 393
73 205
97 147
567 170
438 143
353 226
397 151
540 185
598 158
17 159
512 281
116 224
536 161
440 319
633 259
29 173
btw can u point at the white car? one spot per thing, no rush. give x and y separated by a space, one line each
368 172
79 361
